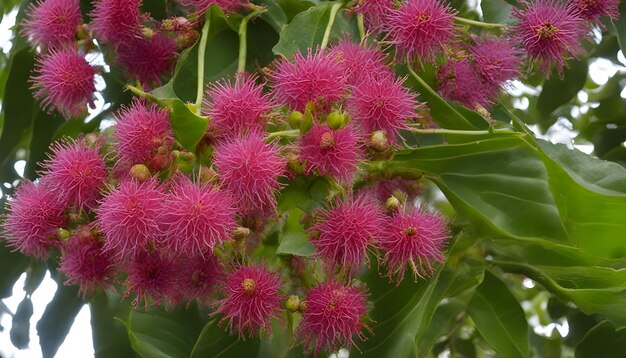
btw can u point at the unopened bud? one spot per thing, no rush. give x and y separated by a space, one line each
294 119
91 138
307 122
140 172
292 303
379 141
63 234
302 307
241 233
392 203
159 162
207 175
147 33
335 120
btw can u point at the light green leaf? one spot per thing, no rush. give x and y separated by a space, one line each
188 127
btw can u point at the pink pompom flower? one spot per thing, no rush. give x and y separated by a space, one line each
550 32
143 133
116 21
496 60
374 12
34 215
343 234
201 6
197 218
593 10
458 81
249 169
148 59
252 299
199 277
330 152
130 217
64 81
382 103
237 108
334 315
420 29
415 239
358 59
52 23
75 172
153 277
317 78
85 263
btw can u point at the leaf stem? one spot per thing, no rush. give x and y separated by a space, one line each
459 132
331 20
361 24
485 25
420 80
243 43
201 54
285 133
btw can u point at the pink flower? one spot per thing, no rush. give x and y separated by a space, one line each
595 9
130 217
143 131
33 217
317 78
550 32
458 81
358 60
249 169
75 173
420 29
116 21
496 60
199 277
148 59
85 263
252 299
197 218
413 238
334 315
237 108
342 235
152 277
330 152
52 23
64 81
227 6
382 103
374 12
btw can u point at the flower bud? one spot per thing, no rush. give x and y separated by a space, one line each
241 233
147 33
307 122
335 120
63 234
140 172
294 119
302 307
159 162
379 141
292 303
392 203
207 175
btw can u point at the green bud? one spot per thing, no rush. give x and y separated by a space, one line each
335 120
379 141
307 122
63 234
241 233
140 172
292 303
302 307
295 118
392 203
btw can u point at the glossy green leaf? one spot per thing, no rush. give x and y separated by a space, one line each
499 318
443 323
602 341
188 127
109 335
166 334
57 319
294 240
274 15
307 30
215 341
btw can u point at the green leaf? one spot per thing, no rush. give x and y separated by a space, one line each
497 11
110 338
546 346
443 322
156 8
160 333
556 91
602 341
294 7
44 127
499 317
215 342
275 16
20 326
294 240
57 319
188 127
306 31
12 265
620 27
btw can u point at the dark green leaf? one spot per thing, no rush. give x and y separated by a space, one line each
443 322
188 127
602 341
557 92
275 16
175 337
12 265
57 319
497 11
156 8
546 346
293 7
294 240
20 327
34 276
499 317
215 342
44 127
620 27
109 335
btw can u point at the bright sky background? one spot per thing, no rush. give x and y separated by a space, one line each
79 341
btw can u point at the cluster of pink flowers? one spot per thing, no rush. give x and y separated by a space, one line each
131 209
